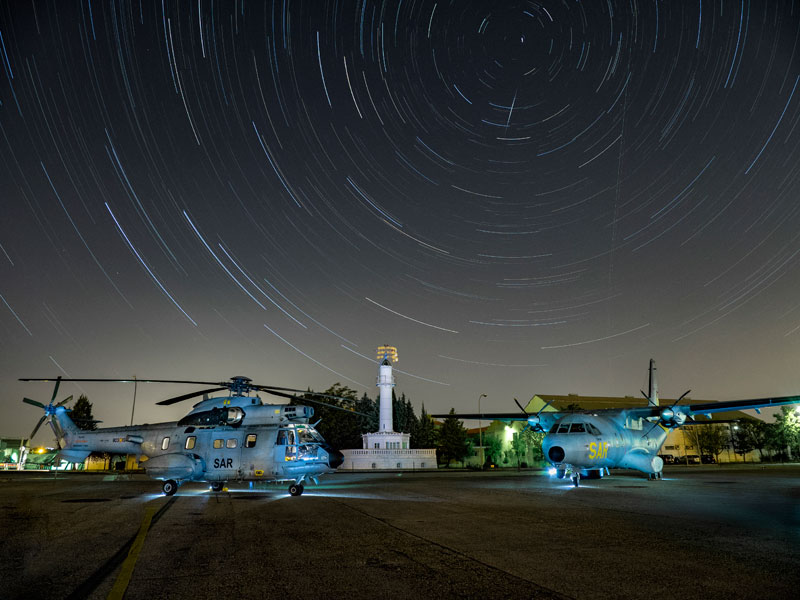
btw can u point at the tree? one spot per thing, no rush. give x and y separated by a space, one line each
403 415
424 433
494 448
749 435
81 414
712 439
519 446
788 425
340 430
533 441
453 443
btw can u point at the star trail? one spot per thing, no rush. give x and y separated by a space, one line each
523 197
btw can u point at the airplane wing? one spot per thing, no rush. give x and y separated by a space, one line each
705 408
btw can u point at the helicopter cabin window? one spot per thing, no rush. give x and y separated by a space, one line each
231 443
165 443
190 442
577 428
250 440
218 444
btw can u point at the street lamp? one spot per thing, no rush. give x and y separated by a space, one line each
480 429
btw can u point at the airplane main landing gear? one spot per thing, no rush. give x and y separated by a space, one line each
576 479
216 486
655 476
169 487
296 489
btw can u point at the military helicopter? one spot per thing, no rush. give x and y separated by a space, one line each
585 443
234 437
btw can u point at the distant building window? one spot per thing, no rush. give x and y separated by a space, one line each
374 466
190 442
217 444
405 445
250 440
669 447
165 443
231 443
399 465
422 465
377 445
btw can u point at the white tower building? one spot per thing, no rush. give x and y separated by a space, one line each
386 448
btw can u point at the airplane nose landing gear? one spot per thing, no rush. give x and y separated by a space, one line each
169 487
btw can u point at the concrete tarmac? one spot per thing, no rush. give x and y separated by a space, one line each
703 532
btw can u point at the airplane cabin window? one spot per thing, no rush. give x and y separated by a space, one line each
165 443
190 442
231 443
217 444
577 428
250 440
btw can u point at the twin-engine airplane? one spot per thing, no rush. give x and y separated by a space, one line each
583 443
234 437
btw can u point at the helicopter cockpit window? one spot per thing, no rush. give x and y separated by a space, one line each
165 443
250 440
306 435
231 443
190 442
577 428
218 444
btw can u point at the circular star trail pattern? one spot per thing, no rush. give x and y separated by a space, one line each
522 197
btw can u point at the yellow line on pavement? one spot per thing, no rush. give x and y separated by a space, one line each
125 573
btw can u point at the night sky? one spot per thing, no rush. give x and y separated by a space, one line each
523 197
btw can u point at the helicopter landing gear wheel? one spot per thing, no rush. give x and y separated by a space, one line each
296 489
216 486
169 487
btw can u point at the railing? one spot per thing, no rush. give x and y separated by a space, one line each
399 452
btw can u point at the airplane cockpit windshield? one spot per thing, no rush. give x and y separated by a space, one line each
575 428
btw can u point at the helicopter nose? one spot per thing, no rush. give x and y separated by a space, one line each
556 454
335 458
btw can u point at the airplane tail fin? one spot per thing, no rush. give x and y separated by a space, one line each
652 389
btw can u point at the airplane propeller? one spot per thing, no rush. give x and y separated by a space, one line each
669 416
533 420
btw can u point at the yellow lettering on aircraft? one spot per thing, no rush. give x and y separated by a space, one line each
598 450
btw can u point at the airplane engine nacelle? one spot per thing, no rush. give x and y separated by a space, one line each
670 418
646 463
174 466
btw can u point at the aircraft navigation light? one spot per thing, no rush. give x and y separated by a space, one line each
551 471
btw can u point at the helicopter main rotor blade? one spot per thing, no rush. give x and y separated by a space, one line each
33 402
177 399
39 424
55 390
126 381
64 401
